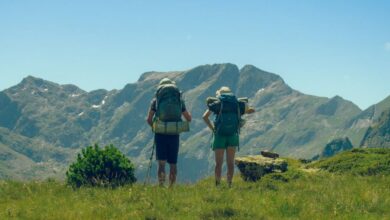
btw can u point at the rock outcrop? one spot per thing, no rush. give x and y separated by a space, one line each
335 146
253 167
378 135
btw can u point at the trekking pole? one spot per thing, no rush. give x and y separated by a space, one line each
147 178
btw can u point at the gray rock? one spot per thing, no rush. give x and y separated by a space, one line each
253 167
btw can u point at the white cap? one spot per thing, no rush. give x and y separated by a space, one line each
223 89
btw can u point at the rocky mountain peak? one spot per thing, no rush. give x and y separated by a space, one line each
32 81
335 104
145 75
253 71
34 85
205 73
253 79
157 76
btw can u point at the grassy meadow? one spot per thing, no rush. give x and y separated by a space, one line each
300 193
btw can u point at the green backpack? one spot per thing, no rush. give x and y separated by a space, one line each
168 103
227 122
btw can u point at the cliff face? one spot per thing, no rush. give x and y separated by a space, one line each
378 135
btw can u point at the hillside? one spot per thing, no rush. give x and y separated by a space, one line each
299 193
64 118
25 158
358 161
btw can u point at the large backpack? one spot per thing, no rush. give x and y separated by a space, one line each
168 103
227 122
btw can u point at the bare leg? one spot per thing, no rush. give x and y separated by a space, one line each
161 172
230 153
172 174
218 165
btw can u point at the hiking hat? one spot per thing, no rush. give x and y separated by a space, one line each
223 89
166 81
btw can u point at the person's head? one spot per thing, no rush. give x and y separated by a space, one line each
222 90
166 81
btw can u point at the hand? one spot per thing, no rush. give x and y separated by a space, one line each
250 110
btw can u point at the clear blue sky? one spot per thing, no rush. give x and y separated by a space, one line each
323 48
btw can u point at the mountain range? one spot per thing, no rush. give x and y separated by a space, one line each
43 125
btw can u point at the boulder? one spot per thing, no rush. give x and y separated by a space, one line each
269 154
253 167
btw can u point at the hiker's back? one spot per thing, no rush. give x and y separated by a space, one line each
169 103
226 128
228 119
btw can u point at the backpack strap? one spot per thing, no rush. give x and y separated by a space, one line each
158 100
239 128
219 114
181 101
238 116
156 97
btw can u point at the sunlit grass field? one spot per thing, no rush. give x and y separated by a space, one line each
296 194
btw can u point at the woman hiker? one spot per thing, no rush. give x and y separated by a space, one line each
226 127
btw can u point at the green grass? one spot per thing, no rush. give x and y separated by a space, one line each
295 194
358 161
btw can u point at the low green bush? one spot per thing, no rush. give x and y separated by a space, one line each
106 167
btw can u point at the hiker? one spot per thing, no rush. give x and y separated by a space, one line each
166 109
226 127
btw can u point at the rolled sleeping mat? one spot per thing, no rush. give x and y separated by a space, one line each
243 99
210 100
178 127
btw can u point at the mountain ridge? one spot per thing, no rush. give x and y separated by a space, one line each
287 121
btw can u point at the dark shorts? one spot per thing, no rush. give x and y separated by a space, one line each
167 147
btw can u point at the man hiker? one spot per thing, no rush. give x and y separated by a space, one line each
166 108
226 127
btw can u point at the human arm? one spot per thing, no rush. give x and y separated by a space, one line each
249 110
151 112
149 118
187 115
206 119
